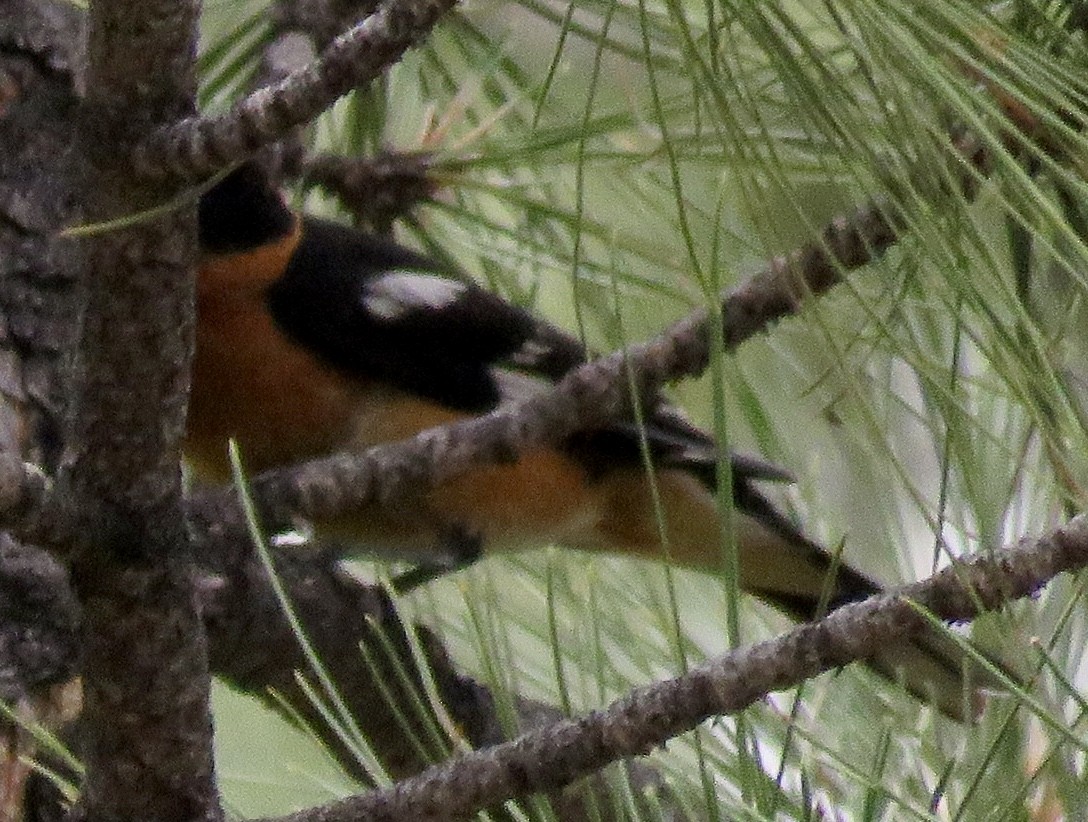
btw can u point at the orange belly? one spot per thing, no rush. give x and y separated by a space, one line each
251 384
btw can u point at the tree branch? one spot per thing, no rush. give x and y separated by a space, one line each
648 717
378 190
198 147
362 643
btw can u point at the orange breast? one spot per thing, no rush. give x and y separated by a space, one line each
250 383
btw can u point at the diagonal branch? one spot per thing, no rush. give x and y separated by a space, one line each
568 750
200 146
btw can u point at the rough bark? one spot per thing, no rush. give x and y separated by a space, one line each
146 720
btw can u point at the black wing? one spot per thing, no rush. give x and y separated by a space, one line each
373 308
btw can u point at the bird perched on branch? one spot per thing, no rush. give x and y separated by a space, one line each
315 338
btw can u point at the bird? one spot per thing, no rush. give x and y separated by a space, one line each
314 338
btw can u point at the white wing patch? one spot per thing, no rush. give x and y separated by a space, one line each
393 295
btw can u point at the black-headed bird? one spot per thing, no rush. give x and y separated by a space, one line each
315 338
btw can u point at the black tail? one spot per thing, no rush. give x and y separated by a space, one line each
932 666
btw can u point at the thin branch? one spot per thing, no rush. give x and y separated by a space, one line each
358 635
200 146
349 624
648 717
378 190
320 21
